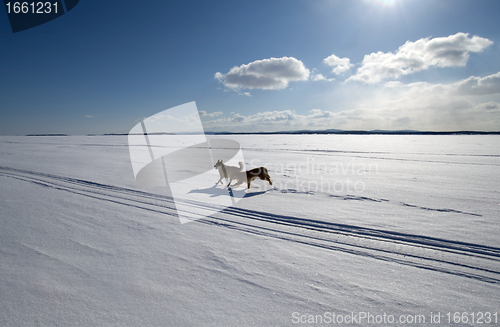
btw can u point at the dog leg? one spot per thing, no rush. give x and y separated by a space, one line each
249 181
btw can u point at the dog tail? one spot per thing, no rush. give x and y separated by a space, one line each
241 166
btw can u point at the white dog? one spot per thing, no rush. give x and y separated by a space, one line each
231 172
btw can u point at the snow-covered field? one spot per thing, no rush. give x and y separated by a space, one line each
399 228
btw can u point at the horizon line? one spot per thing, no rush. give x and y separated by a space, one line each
325 132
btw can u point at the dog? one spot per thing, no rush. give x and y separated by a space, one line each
260 172
238 174
230 172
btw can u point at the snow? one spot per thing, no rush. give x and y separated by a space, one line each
401 225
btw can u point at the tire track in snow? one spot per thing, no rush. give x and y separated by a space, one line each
115 194
364 198
469 260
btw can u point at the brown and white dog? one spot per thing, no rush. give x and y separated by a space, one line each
239 175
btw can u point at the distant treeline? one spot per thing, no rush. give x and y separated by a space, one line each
47 135
365 133
376 132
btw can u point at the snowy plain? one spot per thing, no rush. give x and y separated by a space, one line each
401 226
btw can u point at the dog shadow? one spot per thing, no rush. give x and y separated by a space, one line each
215 191
249 195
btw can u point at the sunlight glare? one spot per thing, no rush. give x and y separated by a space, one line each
386 3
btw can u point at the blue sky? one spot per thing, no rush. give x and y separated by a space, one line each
255 66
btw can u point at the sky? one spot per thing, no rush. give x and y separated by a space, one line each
255 66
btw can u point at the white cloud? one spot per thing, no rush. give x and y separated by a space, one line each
490 106
479 85
238 118
266 74
318 113
340 65
392 106
203 113
424 106
89 116
272 121
411 57
472 86
320 77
